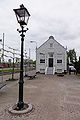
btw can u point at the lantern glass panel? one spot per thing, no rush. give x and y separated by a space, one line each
22 15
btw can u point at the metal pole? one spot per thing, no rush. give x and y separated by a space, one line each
36 52
3 47
2 56
20 104
25 63
29 60
13 66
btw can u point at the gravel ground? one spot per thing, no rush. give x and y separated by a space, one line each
52 97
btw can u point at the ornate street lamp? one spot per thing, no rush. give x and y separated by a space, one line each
22 16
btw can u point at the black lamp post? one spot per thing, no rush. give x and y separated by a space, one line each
22 16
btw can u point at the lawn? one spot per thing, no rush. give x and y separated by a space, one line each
7 70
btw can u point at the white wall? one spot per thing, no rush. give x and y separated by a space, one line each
56 49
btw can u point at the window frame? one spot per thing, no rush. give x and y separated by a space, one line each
51 45
59 61
42 60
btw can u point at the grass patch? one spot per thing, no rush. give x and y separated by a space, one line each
9 70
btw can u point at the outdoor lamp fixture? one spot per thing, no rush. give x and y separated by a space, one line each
22 16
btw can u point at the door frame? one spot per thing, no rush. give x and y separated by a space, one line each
49 62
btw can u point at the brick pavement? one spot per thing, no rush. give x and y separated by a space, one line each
53 98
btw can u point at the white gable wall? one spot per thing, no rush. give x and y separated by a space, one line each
58 51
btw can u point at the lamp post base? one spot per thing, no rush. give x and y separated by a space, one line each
26 109
20 105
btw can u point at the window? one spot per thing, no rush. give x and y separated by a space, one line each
59 53
59 61
42 55
42 60
51 45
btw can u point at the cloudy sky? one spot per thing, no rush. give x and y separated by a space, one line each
60 18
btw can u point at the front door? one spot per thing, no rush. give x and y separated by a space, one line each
50 62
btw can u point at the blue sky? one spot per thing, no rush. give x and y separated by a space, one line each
60 18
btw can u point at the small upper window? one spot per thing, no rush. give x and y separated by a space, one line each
51 45
50 54
42 55
59 53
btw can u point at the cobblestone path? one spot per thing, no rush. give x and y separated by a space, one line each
52 97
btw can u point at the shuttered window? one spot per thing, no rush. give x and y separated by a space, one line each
42 60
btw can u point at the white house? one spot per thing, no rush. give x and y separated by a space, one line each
51 57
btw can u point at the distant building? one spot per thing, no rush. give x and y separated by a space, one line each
51 57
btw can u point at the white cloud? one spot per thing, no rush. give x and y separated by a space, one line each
60 18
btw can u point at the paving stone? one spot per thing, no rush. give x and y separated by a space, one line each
52 97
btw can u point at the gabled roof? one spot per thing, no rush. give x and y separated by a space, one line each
51 37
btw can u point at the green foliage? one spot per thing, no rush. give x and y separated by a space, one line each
32 62
72 56
78 65
9 70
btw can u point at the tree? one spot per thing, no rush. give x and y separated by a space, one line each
78 65
72 56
